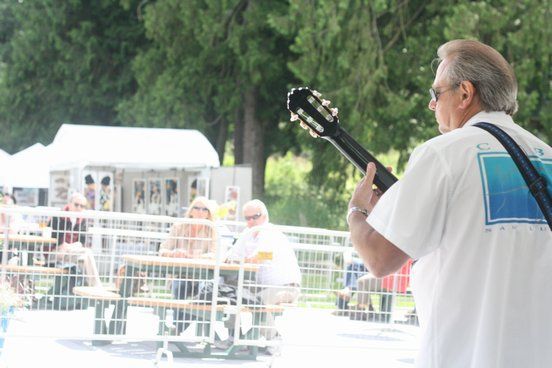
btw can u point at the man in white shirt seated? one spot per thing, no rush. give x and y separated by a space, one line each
278 278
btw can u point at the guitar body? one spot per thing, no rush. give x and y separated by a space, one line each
314 113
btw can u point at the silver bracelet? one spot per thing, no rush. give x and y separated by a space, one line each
364 211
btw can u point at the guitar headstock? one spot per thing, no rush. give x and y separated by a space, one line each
314 113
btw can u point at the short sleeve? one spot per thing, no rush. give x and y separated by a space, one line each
412 213
237 252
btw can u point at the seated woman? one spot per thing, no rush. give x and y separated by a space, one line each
70 232
191 240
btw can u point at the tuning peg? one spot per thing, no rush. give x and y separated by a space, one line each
316 93
326 102
303 125
294 117
334 111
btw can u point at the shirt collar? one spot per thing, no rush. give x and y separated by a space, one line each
499 118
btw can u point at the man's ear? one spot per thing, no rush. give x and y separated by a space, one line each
468 94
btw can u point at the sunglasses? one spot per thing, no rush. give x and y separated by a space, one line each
435 93
253 217
78 205
204 209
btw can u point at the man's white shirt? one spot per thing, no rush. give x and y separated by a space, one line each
282 269
483 279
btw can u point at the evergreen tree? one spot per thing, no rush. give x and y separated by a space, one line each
218 66
63 62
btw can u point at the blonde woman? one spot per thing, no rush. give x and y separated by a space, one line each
188 240
191 240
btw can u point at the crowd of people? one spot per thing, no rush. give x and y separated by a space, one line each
278 275
278 279
197 235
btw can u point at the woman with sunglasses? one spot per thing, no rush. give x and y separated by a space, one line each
191 240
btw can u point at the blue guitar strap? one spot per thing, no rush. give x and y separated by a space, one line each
536 183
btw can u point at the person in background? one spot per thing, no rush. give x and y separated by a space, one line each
355 269
359 280
171 197
191 240
105 194
15 219
70 232
386 287
481 281
90 191
279 277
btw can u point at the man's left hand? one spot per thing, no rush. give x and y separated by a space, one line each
364 196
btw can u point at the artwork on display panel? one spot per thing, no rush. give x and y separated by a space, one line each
59 192
172 197
26 196
192 189
90 189
139 196
203 187
197 187
231 202
105 201
155 200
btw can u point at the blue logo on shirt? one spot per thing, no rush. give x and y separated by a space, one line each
506 196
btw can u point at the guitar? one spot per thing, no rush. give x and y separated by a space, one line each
308 107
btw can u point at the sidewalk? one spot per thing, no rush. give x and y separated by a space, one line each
310 339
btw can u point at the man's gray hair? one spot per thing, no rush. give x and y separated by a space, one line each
486 68
258 204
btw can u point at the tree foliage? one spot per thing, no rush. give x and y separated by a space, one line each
217 66
373 60
224 67
63 61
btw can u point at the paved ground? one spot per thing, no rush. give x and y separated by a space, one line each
310 339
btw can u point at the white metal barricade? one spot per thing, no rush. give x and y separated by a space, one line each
113 285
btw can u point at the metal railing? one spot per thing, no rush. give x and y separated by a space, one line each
112 278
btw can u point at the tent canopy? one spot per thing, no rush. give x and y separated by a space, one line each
4 155
4 162
130 147
28 168
92 145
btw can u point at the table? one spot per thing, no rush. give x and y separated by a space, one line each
30 263
149 263
30 238
26 244
197 269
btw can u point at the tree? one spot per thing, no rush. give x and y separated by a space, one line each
217 66
63 61
224 67
372 59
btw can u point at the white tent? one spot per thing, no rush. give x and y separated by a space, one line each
4 155
4 162
29 168
129 147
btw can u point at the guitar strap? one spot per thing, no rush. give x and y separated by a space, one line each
536 183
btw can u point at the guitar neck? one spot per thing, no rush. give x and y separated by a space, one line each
355 153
